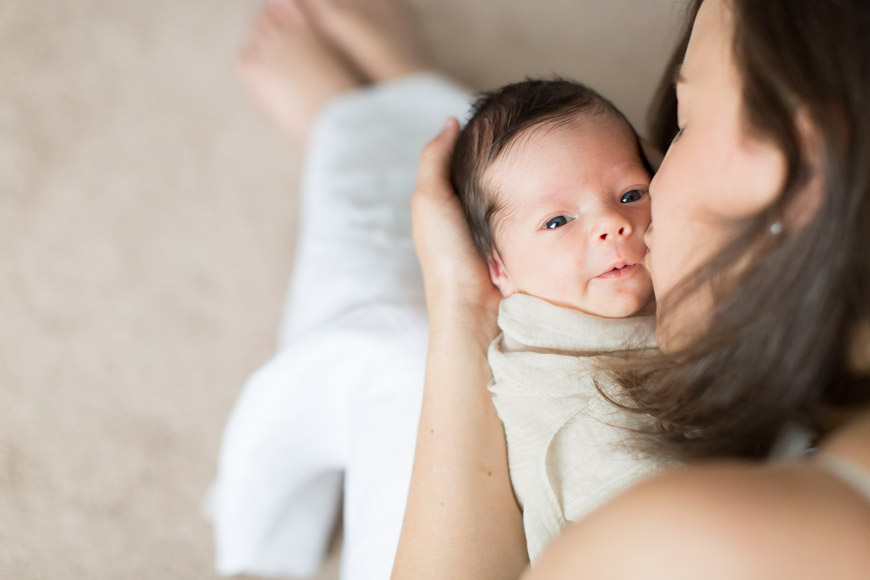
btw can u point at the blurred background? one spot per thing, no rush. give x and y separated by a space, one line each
147 219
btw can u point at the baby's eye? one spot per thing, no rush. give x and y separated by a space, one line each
633 195
557 222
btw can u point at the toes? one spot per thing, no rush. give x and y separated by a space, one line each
286 14
261 30
249 56
265 21
275 23
252 41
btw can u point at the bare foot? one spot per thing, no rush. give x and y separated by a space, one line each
289 69
379 36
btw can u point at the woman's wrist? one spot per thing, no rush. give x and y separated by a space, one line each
473 338
454 313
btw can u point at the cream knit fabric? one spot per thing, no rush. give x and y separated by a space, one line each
568 448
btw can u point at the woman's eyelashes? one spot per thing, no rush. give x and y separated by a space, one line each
557 222
633 195
678 134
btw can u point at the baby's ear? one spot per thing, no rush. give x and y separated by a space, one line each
499 275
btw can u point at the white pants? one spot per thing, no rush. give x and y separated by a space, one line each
340 400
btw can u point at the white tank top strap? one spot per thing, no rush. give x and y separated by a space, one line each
852 474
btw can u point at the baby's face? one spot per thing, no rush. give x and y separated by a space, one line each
575 206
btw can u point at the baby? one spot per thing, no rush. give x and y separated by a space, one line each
554 184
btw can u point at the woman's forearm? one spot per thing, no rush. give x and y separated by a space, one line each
462 520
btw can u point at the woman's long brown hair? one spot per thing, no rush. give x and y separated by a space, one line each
781 346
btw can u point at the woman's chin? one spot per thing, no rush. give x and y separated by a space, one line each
679 326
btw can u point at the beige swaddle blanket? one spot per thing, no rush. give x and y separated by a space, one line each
568 446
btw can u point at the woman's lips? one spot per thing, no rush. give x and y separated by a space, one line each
622 272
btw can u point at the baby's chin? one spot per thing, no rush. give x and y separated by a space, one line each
615 307
619 304
624 310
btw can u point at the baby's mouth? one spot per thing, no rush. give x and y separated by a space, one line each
619 270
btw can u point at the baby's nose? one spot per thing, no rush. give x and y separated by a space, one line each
612 228
603 236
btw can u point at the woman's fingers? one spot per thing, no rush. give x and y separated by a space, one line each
439 226
433 178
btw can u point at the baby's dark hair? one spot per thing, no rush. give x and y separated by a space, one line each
497 119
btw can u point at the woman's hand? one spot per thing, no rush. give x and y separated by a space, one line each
462 520
458 286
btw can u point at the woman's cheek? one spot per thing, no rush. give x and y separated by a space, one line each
666 239
659 274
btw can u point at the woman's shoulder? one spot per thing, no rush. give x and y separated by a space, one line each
724 520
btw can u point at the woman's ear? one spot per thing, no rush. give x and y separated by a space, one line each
498 274
803 207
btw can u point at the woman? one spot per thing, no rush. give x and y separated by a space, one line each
758 252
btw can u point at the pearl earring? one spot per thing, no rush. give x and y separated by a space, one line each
776 228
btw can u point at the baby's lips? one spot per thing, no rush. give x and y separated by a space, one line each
614 266
614 273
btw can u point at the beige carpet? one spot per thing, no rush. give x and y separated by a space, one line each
147 222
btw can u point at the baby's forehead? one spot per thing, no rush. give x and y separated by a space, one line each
591 128
584 140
